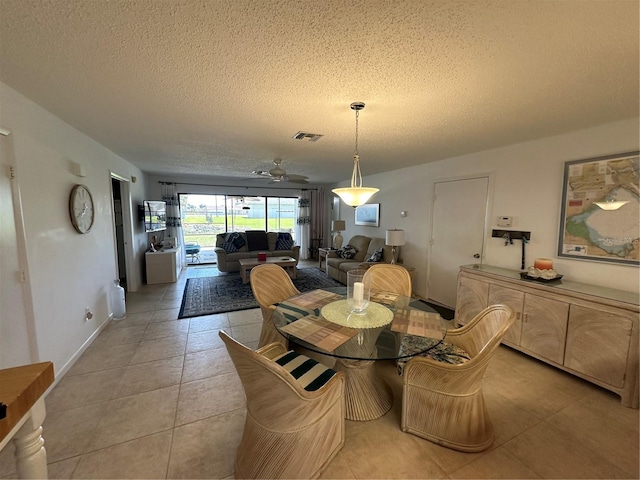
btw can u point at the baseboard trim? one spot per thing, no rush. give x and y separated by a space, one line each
74 358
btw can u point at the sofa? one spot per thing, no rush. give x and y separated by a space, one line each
365 248
232 246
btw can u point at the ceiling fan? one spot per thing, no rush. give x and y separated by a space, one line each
279 174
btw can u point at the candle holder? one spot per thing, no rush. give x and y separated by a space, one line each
358 291
543 263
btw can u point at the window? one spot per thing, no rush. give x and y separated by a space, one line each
281 214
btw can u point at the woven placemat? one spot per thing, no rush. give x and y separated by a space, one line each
374 316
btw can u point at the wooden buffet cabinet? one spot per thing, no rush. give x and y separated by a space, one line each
589 331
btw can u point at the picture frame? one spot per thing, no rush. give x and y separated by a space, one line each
600 211
368 215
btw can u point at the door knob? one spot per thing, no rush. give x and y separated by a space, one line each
477 255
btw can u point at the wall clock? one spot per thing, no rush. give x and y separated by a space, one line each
81 208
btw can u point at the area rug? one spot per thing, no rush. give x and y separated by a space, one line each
227 293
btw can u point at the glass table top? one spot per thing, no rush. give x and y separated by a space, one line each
321 321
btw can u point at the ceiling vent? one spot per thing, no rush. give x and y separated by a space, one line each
310 137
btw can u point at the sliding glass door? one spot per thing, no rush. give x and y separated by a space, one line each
281 214
204 216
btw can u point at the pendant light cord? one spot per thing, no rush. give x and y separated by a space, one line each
356 176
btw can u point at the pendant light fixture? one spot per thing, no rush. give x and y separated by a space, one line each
356 194
611 204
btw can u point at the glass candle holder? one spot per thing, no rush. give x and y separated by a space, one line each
358 291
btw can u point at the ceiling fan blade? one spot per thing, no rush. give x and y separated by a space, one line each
296 177
297 180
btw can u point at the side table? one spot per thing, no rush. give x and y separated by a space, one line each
322 255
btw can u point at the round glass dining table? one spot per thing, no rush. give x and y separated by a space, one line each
322 321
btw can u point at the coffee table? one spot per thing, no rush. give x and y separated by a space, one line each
246 264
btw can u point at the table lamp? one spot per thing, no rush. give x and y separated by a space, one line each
394 238
337 226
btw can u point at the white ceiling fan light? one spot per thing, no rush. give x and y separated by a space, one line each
279 174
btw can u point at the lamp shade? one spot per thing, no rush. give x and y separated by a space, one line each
355 196
338 225
395 238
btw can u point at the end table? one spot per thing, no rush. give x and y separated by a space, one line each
322 255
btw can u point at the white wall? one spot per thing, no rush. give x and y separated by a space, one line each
526 184
67 271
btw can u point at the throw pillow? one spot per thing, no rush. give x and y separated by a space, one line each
257 240
346 252
376 256
284 241
233 242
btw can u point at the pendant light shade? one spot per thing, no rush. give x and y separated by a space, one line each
611 205
356 194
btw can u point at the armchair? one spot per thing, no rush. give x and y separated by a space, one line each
294 427
443 402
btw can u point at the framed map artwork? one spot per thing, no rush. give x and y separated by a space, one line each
601 209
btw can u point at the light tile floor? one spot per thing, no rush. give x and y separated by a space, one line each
158 397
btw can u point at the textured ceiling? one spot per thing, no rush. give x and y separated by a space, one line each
219 88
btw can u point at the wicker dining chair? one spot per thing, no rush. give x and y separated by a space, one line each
295 422
270 284
386 277
443 402
389 278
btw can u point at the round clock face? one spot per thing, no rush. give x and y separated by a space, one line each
81 208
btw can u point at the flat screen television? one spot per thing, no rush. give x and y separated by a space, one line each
155 216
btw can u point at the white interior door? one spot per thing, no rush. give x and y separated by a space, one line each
17 332
457 233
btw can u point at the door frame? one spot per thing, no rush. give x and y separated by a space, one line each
127 228
487 224
13 179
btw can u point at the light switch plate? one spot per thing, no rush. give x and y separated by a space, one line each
505 221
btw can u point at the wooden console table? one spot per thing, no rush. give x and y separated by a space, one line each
21 390
586 330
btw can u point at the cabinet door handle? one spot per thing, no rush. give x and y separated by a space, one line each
525 317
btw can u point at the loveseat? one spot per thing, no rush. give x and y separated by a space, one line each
232 246
366 248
